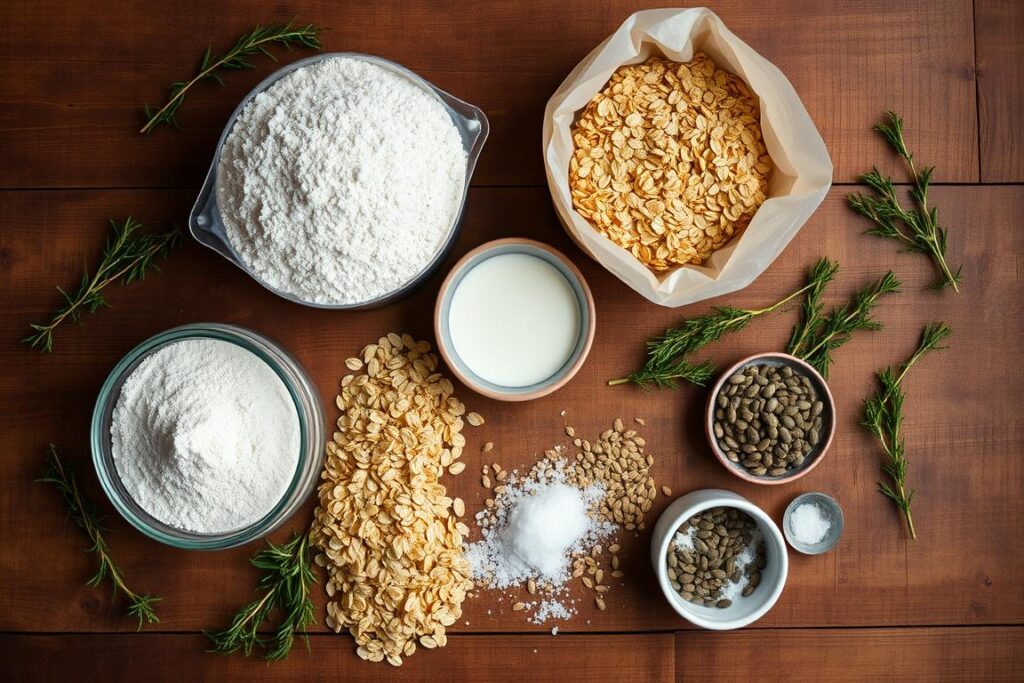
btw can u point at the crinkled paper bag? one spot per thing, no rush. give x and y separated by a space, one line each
799 181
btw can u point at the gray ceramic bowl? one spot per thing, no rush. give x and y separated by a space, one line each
207 226
833 513
584 299
828 422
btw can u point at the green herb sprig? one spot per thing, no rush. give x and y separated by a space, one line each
917 228
883 416
817 335
126 257
286 585
86 517
666 354
251 44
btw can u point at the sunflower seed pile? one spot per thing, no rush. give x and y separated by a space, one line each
768 419
716 556
616 460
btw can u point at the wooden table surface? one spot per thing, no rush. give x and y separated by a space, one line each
949 605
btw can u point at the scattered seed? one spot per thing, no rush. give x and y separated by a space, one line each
487 447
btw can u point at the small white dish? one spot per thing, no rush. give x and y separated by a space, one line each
743 611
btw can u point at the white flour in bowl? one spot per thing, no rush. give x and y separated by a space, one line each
340 182
205 436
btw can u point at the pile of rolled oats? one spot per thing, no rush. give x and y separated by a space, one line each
669 162
385 527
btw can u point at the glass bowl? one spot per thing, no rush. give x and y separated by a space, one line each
207 226
830 508
311 437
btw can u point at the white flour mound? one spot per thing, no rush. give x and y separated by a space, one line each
339 183
205 436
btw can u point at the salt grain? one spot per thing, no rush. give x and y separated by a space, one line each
809 524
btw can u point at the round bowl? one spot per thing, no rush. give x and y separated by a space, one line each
832 511
308 406
743 611
827 417
584 299
206 223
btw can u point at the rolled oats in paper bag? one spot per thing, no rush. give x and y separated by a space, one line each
728 256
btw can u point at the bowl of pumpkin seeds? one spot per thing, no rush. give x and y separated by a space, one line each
770 418
720 560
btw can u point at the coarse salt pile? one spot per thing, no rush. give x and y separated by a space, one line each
809 524
536 527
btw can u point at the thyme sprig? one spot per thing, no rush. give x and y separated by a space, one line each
251 44
883 416
126 257
917 228
88 519
285 586
666 354
817 335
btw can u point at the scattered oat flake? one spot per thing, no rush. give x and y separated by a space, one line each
475 419
487 447
666 490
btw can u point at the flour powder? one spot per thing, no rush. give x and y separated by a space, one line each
340 182
205 436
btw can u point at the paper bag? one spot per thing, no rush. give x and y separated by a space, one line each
802 169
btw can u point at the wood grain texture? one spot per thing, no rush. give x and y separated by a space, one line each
73 76
1001 89
959 655
529 659
964 430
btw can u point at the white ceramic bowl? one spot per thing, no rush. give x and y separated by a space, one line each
743 611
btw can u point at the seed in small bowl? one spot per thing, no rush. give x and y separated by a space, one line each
716 557
770 418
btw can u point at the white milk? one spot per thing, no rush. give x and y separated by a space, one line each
514 320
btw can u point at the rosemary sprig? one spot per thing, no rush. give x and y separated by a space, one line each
883 416
916 228
817 336
666 354
251 44
286 585
126 257
86 517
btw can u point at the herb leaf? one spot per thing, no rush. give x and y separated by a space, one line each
251 44
666 354
883 416
916 228
127 256
87 519
817 336
285 586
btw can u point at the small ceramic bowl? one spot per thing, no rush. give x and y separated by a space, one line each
828 422
833 513
743 611
584 300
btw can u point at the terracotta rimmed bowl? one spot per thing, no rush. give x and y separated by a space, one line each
584 300
828 419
